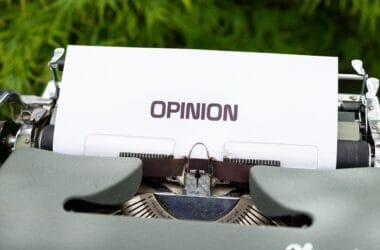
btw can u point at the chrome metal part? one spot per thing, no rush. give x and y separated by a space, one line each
359 69
50 90
37 114
32 100
243 212
374 117
13 98
58 53
246 213
198 182
145 206
11 141
53 65
357 64
372 87
33 104
24 136
34 110
347 98
350 77
31 110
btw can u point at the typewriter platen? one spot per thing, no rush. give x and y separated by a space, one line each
197 189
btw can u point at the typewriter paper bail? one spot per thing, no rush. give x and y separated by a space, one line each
162 101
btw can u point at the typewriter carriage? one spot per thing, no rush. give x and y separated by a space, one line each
358 136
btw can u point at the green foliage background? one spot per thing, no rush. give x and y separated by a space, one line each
30 30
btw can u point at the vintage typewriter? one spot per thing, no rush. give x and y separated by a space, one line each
54 201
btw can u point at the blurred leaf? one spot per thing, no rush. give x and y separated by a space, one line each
30 30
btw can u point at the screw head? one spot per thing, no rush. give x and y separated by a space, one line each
353 97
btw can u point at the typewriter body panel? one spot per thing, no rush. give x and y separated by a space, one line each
192 202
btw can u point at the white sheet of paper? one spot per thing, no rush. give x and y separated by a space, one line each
286 104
